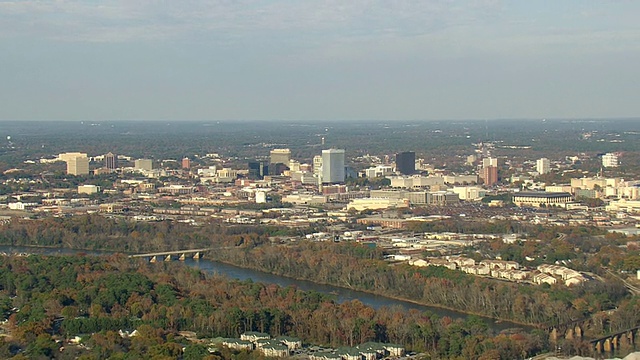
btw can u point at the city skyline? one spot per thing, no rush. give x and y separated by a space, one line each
276 60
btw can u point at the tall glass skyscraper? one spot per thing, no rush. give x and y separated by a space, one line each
406 162
333 166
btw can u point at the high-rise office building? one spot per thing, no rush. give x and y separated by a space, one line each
489 172
144 164
258 169
610 160
317 165
490 175
68 156
111 161
489 161
333 171
406 162
186 163
78 165
543 166
278 168
280 156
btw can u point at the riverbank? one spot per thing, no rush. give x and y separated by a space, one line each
392 296
208 265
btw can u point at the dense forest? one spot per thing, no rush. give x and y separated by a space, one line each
95 232
46 299
361 267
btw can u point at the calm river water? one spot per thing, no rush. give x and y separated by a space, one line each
235 272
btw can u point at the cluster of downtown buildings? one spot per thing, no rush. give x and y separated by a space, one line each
322 181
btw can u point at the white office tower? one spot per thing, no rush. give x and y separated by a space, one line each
610 160
78 165
280 156
489 161
543 166
333 166
144 164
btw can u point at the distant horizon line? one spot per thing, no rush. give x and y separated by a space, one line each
330 120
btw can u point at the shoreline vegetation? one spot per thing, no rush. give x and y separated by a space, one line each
523 325
256 268
347 265
46 299
390 296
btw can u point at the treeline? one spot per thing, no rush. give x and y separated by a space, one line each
539 232
45 298
361 267
335 264
95 232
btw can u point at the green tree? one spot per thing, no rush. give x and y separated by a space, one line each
195 352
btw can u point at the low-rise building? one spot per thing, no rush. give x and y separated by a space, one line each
275 350
384 222
349 353
419 262
176 189
558 188
569 276
514 275
378 171
441 262
415 181
325 356
372 350
395 349
238 344
460 179
376 204
442 198
291 342
389 194
462 261
544 279
623 205
111 208
88 189
304 199
254 336
470 193
500 264
537 199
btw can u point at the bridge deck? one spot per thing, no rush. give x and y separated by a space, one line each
614 334
165 253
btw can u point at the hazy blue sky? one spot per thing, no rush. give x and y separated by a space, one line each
339 59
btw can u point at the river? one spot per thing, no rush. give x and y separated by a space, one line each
234 272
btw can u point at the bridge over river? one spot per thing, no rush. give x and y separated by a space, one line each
624 339
178 254
616 341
